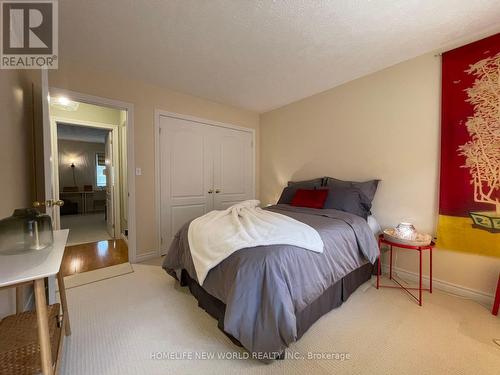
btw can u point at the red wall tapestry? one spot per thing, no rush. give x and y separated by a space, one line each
469 204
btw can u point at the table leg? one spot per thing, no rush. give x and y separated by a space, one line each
420 280
390 265
430 270
496 304
43 327
64 303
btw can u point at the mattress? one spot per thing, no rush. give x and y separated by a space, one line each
269 292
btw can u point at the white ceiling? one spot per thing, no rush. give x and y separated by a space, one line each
263 54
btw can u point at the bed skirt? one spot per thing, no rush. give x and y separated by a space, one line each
333 297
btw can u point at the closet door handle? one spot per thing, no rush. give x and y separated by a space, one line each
210 191
217 191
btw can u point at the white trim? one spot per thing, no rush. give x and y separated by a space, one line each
158 114
129 108
54 120
147 256
482 298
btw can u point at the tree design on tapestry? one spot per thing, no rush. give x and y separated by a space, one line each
482 152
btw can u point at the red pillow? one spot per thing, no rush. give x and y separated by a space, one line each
310 198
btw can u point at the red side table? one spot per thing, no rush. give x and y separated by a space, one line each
420 249
496 305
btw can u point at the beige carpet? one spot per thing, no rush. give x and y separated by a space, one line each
119 323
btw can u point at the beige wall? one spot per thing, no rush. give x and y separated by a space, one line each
385 125
146 98
15 153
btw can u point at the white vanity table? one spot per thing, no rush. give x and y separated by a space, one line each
23 269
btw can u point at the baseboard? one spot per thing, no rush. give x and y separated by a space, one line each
484 299
146 256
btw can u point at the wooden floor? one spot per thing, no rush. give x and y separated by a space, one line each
94 255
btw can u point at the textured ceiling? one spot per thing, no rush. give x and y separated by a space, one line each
81 133
261 55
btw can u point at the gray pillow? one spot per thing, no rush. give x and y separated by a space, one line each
348 199
308 184
287 195
368 188
289 191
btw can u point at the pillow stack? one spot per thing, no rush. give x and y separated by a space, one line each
331 193
289 192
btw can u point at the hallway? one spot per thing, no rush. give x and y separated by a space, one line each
85 228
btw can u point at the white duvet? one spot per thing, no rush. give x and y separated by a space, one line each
215 236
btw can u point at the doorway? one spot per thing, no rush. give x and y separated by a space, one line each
89 142
125 137
90 178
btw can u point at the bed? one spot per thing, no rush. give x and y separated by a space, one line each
266 297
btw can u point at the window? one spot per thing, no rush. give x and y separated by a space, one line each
100 167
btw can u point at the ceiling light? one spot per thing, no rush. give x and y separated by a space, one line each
64 103
63 100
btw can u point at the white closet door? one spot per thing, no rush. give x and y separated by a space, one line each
186 170
233 167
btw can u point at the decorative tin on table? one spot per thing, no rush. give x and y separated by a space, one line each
406 234
406 231
26 230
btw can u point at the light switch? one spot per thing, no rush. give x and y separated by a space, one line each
138 172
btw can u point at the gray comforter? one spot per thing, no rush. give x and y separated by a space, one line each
263 287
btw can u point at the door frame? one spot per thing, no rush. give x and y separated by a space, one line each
159 113
129 109
113 128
